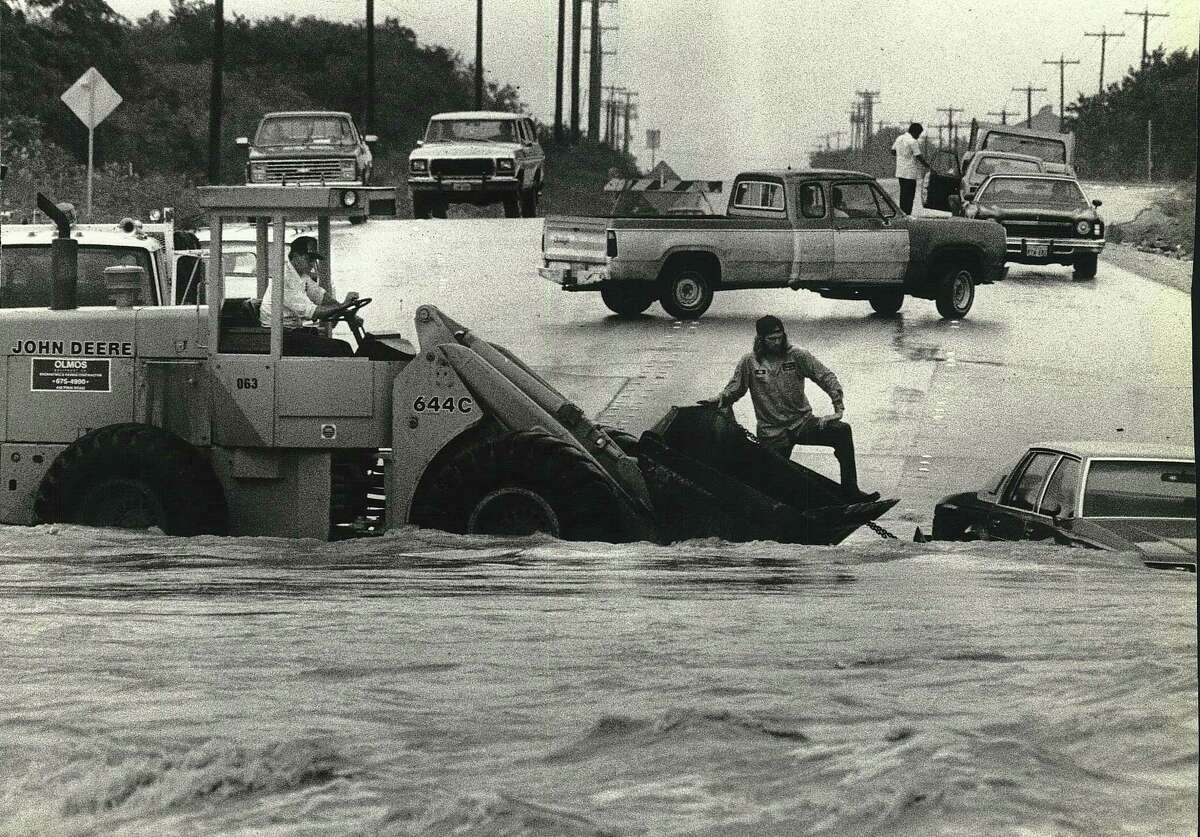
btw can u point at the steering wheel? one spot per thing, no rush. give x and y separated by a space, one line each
344 312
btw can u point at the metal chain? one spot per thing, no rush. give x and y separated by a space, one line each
879 530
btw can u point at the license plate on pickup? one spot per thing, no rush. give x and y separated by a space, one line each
1036 251
466 187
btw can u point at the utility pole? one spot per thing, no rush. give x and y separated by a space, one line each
576 31
558 74
1103 35
951 128
839 135
214 99
1062 107
1002 113
628 115
369 116
610 110
594 75
1029 91
1145 16
869 97
478 54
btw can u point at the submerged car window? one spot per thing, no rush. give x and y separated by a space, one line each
27 277
1027 488
1124 488
299 130
1035 191
812 200
1062 490
1052 151
472 130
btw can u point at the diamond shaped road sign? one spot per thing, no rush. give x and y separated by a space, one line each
91 98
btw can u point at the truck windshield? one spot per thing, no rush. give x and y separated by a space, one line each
471 130
1033 191
304 130
1140 488
26 279
1050 150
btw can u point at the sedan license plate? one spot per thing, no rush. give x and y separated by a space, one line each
1036 250
466 187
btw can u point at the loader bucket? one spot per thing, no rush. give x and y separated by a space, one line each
708 478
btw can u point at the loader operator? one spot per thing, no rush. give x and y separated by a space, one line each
304 299
774 373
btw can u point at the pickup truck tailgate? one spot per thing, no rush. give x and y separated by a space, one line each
575 240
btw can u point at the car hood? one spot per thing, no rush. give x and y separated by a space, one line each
444 150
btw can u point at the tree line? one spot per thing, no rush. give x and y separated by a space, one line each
1152 109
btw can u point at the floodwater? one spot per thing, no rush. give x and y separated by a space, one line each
431 684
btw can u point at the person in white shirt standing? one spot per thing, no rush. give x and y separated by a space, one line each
907 152
304 299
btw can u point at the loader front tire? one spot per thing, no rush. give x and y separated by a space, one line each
517 484
133 476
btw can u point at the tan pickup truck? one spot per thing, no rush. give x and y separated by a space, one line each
834 232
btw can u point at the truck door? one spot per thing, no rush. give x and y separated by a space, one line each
945 178
760 247
812 258
870 235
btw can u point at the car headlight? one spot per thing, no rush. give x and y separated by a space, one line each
347 168
418 166
505 165
349 197
1083 227
258 172
1098 229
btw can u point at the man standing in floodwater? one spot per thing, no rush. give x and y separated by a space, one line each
907 152
774 373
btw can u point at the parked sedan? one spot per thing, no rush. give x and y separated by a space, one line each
1046 218
1104 496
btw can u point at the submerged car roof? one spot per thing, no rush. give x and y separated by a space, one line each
1108 449
306 113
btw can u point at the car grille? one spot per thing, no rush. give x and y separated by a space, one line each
1040 229
467 167
303 171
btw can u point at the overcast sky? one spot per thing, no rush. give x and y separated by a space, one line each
742 83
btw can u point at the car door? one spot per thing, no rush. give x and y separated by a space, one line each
1058 502
945 178
870 234
1011 519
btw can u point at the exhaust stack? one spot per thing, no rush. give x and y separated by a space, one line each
64 258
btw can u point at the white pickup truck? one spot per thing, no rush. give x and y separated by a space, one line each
830 231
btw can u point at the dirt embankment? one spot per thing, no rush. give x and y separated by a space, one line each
1166 226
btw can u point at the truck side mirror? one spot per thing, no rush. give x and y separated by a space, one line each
242 141
420 142
1097 203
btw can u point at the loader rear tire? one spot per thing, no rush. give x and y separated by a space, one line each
133 476
516 484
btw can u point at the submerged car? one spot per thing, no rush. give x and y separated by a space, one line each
1047 219
1122 497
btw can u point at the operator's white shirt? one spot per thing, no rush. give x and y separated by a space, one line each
907 148
301 296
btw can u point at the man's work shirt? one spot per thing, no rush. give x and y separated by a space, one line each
777 390
907 148
301 296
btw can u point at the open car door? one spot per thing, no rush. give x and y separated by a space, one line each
945 176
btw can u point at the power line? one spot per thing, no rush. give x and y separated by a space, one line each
1145 16
1103 35
1003 113
1062 64
1029 91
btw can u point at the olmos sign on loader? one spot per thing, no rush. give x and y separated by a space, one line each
193 420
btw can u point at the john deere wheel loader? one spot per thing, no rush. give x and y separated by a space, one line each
193 420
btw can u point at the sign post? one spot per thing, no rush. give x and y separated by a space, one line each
92 99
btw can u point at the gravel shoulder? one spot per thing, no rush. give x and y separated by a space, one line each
1177 273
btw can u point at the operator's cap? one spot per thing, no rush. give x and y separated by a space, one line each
765 325
305 245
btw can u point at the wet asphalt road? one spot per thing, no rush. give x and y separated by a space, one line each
936 406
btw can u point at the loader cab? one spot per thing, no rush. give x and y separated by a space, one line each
263 396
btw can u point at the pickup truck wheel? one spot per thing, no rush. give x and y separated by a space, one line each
512 206
887 303
1085 267
956 292
627 299
686 293
355 220
133 476
519 483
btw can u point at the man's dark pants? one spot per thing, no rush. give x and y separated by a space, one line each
908 190
831 434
